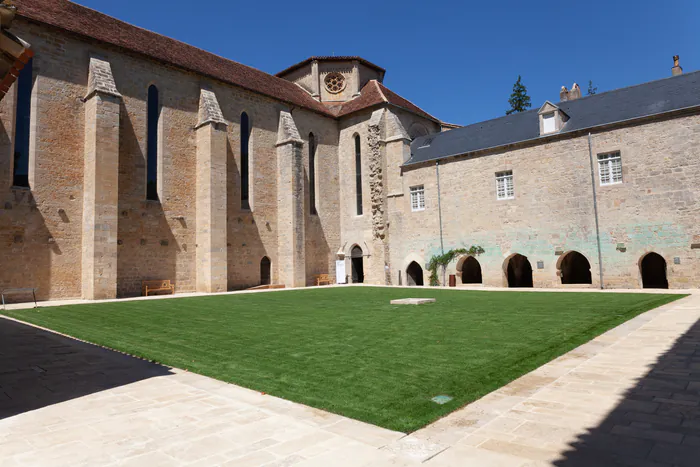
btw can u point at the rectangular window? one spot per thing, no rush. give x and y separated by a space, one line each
417 198
610 168
504 185
549 123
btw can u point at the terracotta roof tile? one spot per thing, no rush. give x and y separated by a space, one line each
87 22
375 93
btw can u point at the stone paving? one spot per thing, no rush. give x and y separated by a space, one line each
628 397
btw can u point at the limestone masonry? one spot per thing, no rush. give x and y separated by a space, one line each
127 156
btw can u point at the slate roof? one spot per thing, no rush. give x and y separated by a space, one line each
612 107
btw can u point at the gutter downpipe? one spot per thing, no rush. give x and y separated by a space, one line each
595 211
437 174
442 245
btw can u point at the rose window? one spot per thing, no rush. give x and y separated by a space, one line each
335 82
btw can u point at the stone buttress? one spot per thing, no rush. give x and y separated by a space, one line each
291 242
212 261
100 183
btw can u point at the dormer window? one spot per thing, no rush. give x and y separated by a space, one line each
549 124
552 119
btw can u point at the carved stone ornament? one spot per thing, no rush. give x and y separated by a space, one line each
335 82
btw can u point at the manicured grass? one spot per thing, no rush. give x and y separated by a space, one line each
346 350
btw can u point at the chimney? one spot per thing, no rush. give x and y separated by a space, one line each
564 94
575 92
676 70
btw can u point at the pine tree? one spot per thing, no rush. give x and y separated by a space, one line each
519 100
591 89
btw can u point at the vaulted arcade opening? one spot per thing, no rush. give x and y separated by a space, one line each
519 271
653 268
575 269
471 271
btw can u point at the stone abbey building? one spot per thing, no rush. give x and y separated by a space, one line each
128 156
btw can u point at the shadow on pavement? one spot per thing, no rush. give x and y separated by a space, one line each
657 423
39 368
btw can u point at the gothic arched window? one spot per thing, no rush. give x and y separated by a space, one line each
153 111
245 161
358 174
312 173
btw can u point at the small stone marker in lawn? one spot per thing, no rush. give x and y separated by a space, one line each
413 301
441 399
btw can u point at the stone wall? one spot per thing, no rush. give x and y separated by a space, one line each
656 207
381 168
41 229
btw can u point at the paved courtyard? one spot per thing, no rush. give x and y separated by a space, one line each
629 397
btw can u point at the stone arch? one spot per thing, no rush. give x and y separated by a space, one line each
265 271
357 265
414 275
469 269
653 269
574 268
518 271
417 130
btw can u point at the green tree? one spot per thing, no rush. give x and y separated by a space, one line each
519 100
591 89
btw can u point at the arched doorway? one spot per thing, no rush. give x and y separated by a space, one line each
653 267
519 271
471 271
265 267
575 269
414 274
358 268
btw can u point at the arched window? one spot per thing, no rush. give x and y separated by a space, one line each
312 173
20 172
358 174
153 111
245 161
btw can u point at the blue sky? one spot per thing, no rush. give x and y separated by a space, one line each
457 60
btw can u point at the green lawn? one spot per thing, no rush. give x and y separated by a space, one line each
346 350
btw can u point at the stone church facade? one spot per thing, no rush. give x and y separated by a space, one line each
127 156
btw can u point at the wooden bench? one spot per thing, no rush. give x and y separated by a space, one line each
157 286
26 290
323 279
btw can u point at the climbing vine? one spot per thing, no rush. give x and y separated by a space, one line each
443 260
